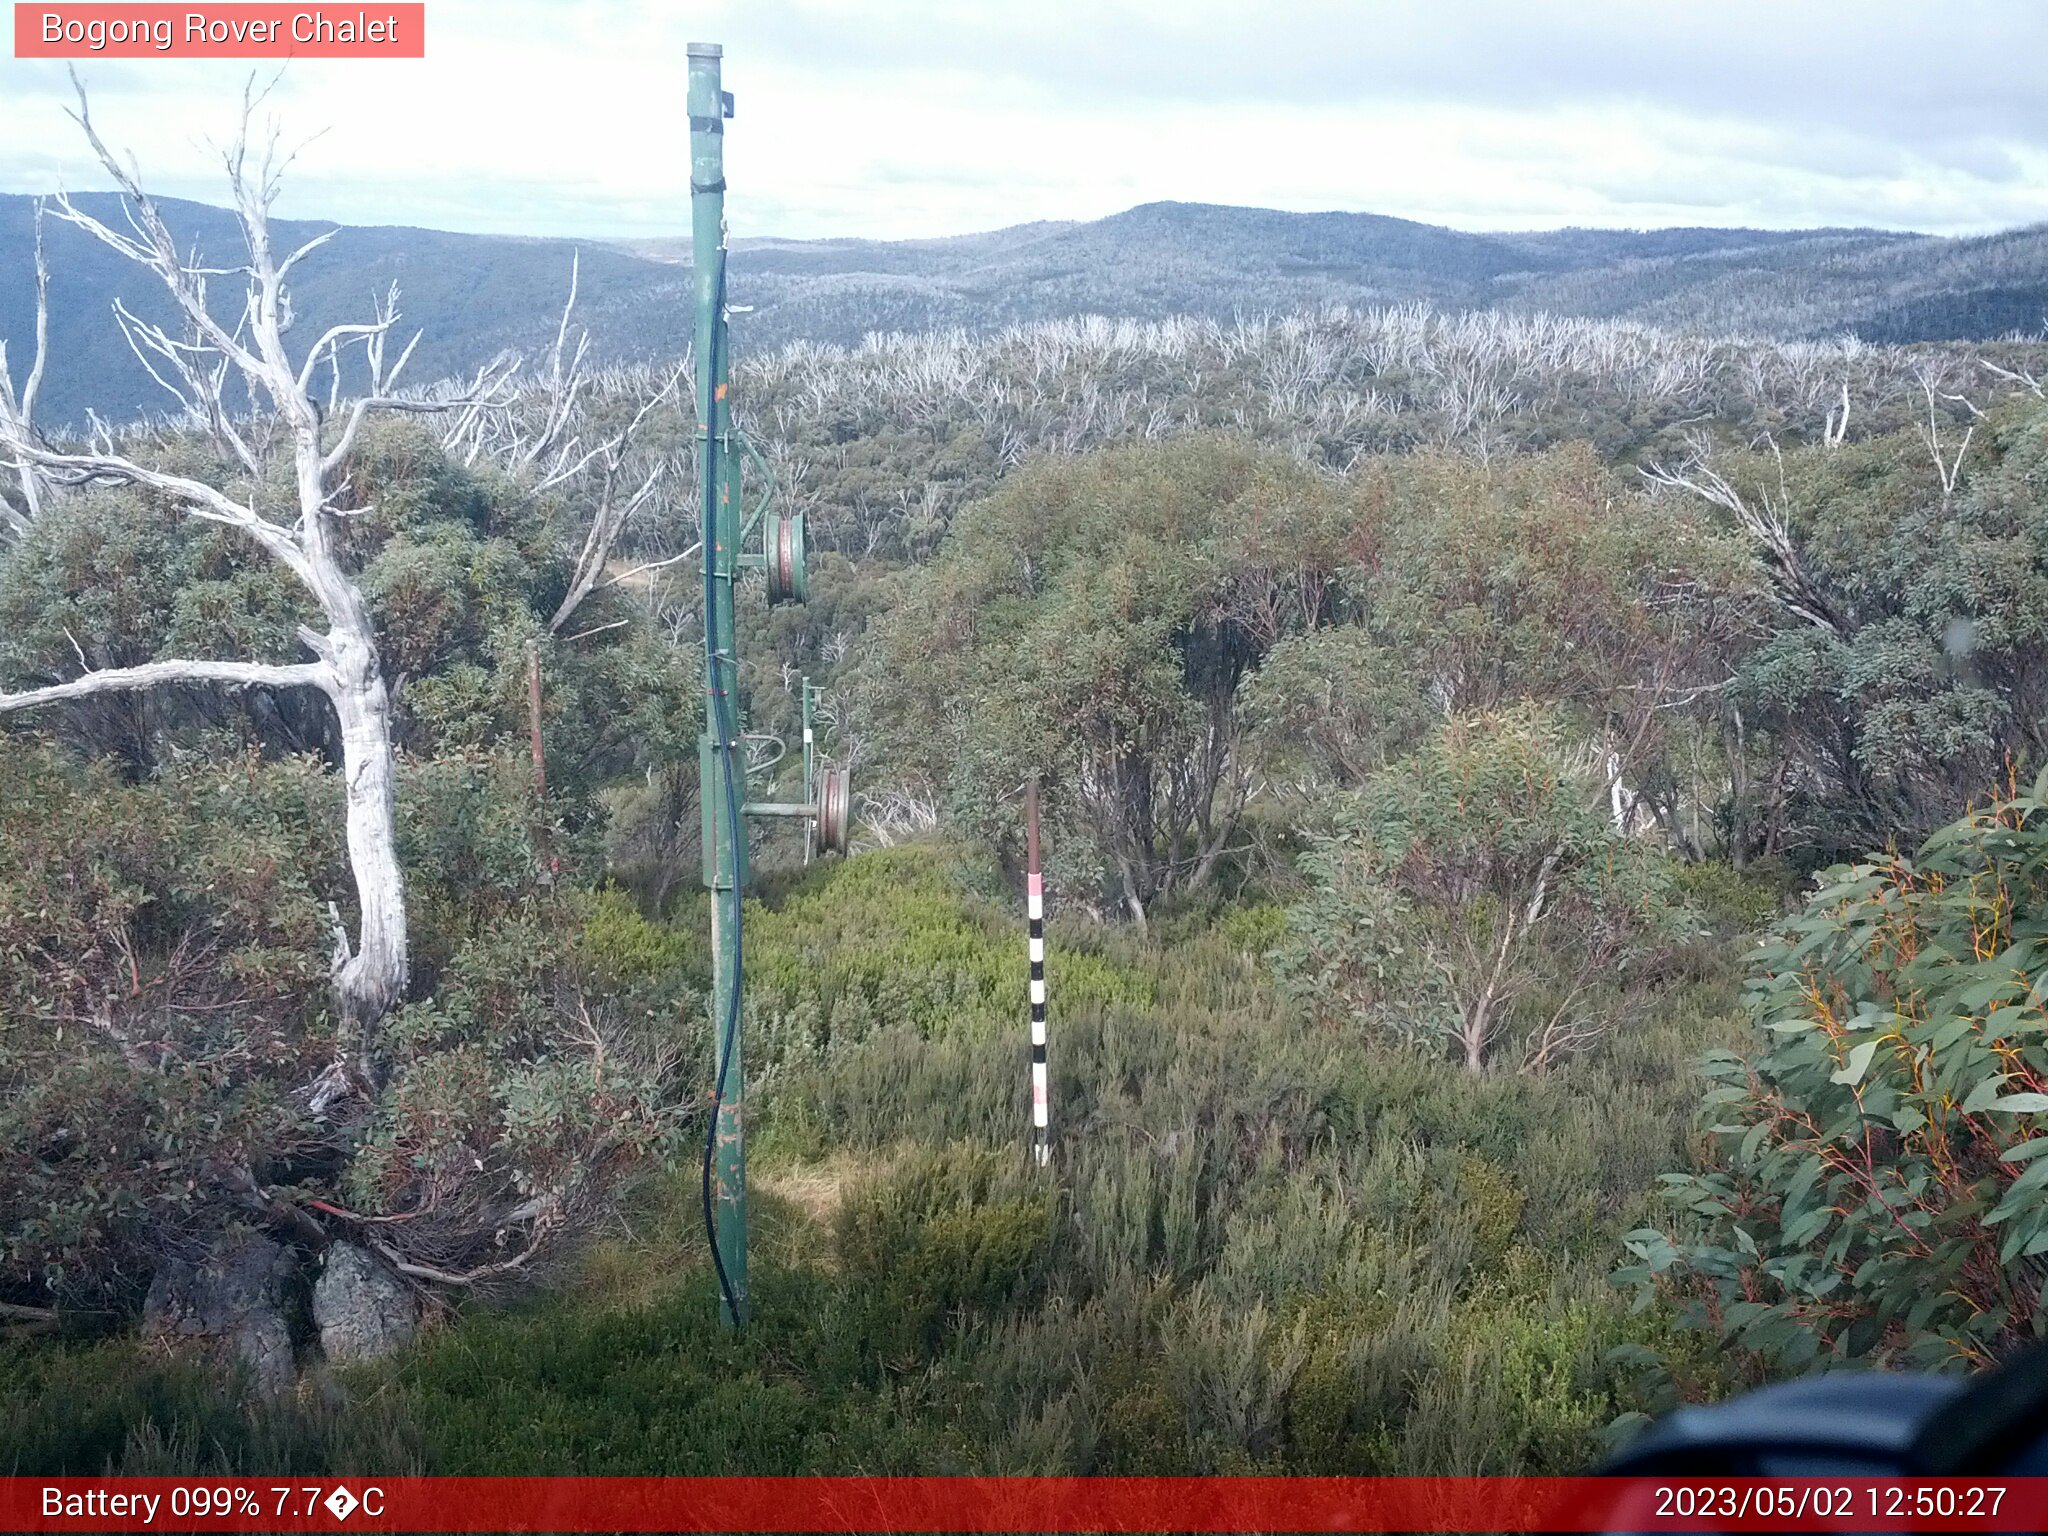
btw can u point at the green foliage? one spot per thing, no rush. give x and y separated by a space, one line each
1253 930
115 578
164 1005
1267 1244
163 1012
620 943
461 571
1734 902
1333 703
1932 671
1526 581
1264 1248
879 1004
157 949
1105 611
1471 893
92 1409
1880 1198
541 1074
952 1236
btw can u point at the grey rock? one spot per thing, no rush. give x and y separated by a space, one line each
362 1309
236 1300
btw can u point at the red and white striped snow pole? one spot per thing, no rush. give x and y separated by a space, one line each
1034 911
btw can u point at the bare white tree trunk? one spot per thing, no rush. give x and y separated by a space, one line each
372 979
369 976
20 406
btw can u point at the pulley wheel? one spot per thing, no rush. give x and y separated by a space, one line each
788 578
835 810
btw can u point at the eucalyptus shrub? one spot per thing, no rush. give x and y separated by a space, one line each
1473 895
1883 1196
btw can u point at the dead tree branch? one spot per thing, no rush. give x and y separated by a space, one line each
1765 522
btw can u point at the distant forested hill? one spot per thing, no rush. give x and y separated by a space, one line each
473 295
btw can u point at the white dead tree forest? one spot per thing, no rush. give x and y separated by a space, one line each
200 362
567 430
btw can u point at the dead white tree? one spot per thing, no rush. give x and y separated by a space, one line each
540 438
1948 467
1837 428
2018 377
370 974
1764 521
622 480
899 814
20 407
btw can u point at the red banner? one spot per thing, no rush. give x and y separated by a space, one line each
215 31
1018 1504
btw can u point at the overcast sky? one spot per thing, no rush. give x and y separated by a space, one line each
897 118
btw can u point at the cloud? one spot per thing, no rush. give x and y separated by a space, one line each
897 118
1964 66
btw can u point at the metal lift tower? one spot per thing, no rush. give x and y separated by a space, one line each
727 527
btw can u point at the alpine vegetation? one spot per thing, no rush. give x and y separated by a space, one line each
1536 853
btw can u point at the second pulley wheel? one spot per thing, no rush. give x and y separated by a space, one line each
788 577
835 810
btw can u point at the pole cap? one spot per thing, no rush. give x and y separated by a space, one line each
704 50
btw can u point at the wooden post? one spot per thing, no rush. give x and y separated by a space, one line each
540 759
1034 912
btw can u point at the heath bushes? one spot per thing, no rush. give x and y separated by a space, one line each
158 946
164 1028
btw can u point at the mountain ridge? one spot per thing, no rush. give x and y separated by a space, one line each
473 295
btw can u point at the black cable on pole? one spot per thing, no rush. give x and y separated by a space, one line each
729 1033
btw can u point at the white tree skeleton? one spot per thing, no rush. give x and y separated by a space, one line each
21 407
370 974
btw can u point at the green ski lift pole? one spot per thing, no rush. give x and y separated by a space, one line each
720 768
727 526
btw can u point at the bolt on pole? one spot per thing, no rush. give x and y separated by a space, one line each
721 782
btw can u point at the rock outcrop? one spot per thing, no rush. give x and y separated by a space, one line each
238 1299
362 1309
